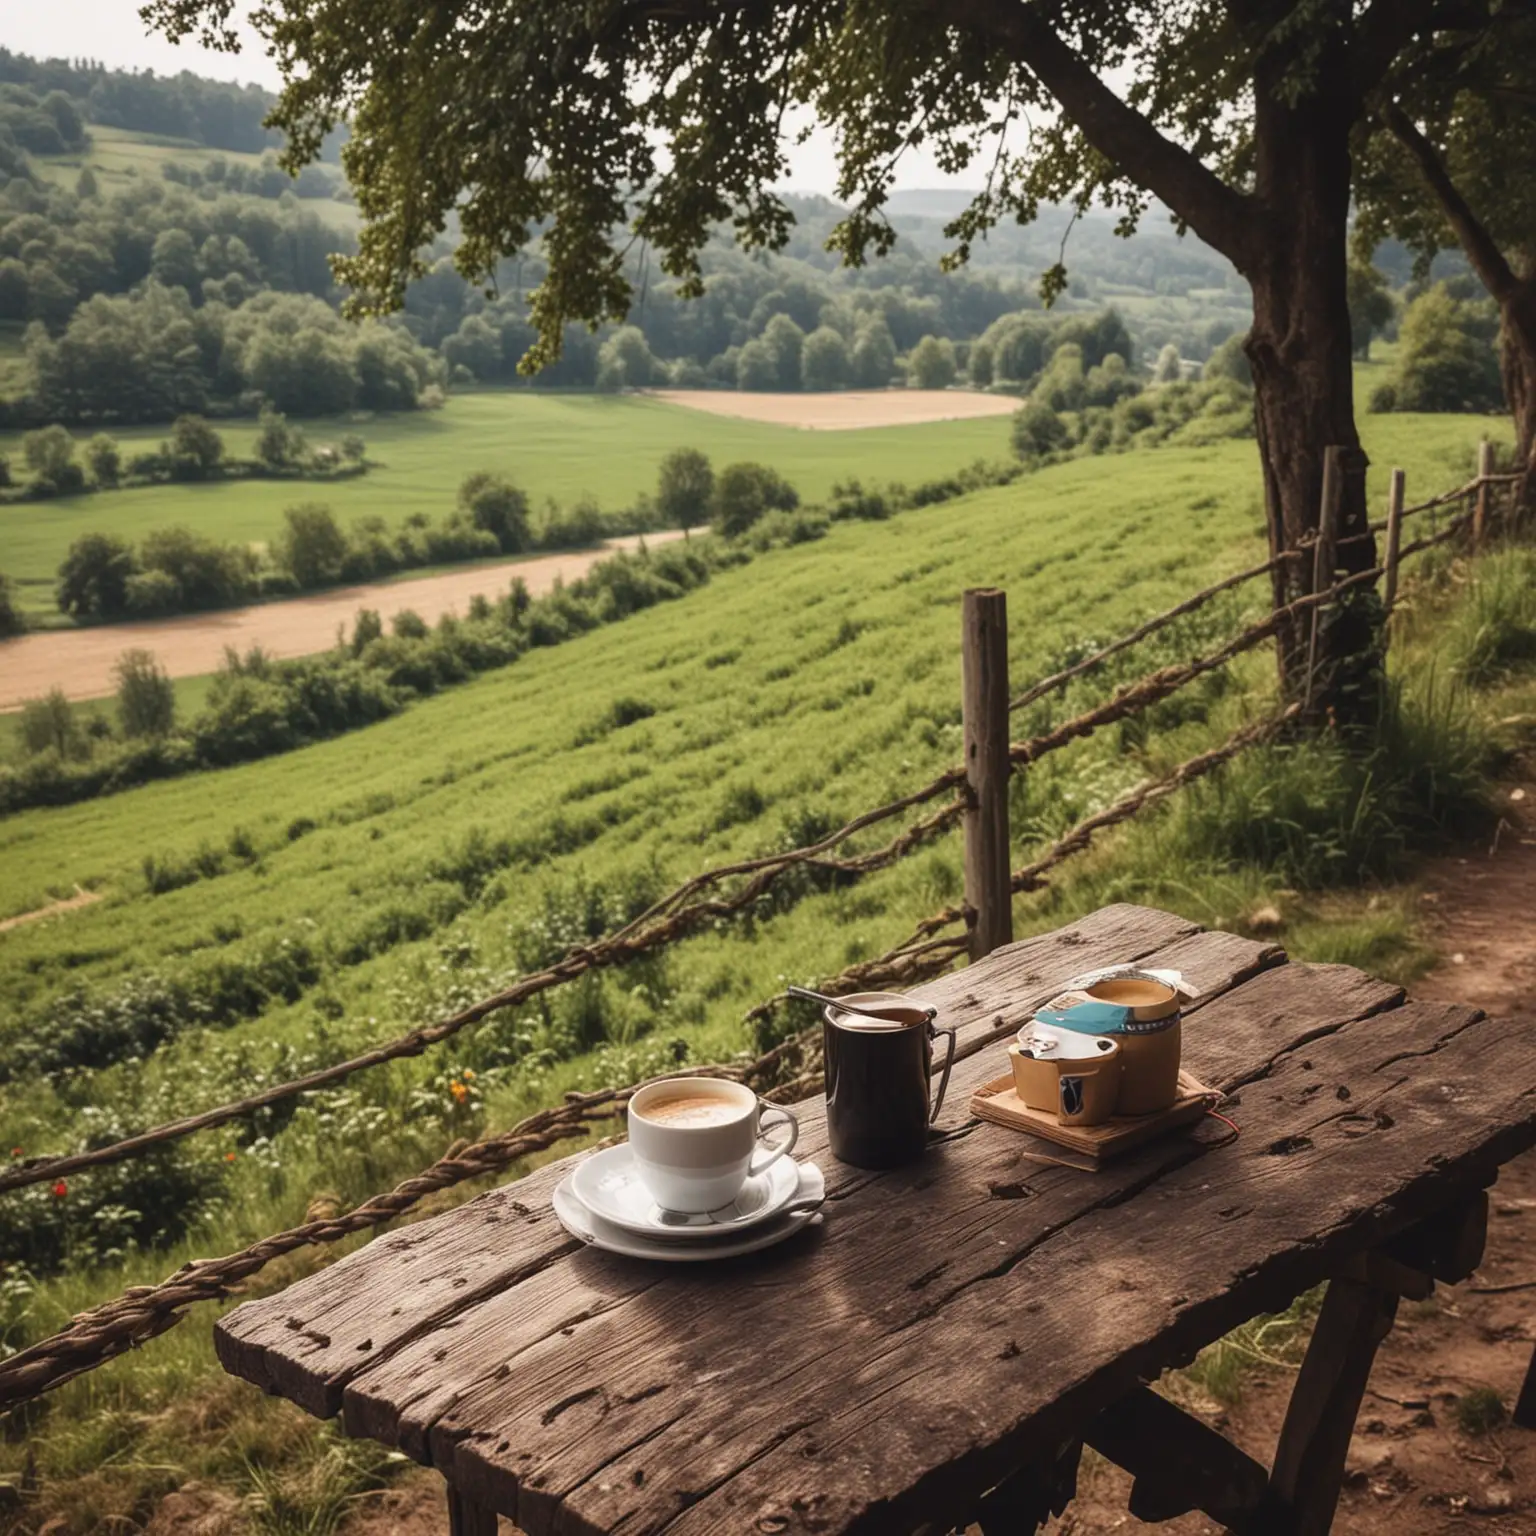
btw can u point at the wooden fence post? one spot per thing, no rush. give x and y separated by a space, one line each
1394 537
1480 506
1323 551
984 704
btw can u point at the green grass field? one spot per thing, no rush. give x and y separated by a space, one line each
564 446
120 156
818 679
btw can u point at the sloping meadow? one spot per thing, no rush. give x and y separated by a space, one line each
260 920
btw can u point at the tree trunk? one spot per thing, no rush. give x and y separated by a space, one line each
1517 358
1300 348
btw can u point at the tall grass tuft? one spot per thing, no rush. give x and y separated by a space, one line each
1321 812
1493 625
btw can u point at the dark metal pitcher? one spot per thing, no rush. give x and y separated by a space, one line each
877 1077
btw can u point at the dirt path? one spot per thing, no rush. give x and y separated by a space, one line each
1412 1471
81 898
80 661
845 410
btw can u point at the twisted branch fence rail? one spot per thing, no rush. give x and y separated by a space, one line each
143 1312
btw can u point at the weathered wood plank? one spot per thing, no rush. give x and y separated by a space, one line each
309 1342
820 1404
980 1192
397 1400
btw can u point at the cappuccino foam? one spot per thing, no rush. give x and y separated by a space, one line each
691 1111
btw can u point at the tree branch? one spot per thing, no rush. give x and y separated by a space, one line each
1478 245
1222 216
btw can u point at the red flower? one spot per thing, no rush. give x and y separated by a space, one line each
15 1151
60 1190
229 1157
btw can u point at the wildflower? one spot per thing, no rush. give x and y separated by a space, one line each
60 1190
15 1151
469 1074
459 1092
229 1157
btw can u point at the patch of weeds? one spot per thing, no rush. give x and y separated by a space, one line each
301 826
622 712
1479 1411
1273 1342
740 803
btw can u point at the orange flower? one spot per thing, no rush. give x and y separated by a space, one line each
229 1157
469 1074
60 1190
459 1091
15 1151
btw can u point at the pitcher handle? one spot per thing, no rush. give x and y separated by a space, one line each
949 1061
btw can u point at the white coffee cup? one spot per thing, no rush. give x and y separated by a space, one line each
696 1140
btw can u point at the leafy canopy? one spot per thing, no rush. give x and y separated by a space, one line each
614 122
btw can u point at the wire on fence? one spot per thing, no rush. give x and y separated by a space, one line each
142 1313
1059 680
664 923
673 917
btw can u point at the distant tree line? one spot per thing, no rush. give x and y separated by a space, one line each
258 706
217 113
194 451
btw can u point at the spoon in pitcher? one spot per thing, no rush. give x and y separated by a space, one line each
844 1006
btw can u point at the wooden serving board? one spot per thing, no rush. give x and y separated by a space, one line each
998 1102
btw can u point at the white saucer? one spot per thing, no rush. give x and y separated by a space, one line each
608 1184
593 1230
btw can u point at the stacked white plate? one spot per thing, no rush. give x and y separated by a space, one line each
603 1202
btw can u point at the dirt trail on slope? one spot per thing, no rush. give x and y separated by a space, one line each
80 661
1411 1470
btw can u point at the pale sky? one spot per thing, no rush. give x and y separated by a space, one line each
110 31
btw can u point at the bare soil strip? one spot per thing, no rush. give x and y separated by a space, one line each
80 661
81 898
845 411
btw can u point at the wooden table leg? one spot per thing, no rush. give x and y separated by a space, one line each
1314 1442
466 1517
1525 1407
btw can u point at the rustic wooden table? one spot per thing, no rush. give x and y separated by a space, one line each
939 1348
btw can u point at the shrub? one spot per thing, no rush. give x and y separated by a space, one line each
11 622
685 487
493 503
1446 355
278 445
575 527
744 492
152 594
93 580
932 364
409 625
1037 431
48 724
146 701
105 460
50 455
311 547
851 500
353 449
194 450
206 574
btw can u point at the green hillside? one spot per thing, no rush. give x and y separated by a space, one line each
337 895
818 677
564 446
